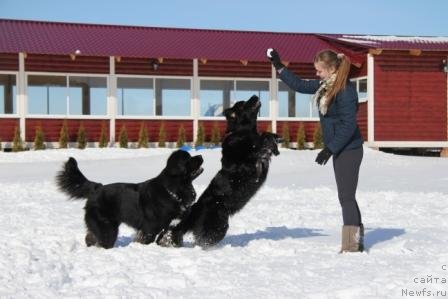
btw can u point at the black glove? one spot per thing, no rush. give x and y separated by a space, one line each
275 59
323 156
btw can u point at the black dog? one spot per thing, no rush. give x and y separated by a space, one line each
245 163
149 206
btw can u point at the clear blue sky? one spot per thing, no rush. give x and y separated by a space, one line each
389 17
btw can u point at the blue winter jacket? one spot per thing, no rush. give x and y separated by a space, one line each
339 126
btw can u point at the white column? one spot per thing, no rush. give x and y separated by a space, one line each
112 99
195 109
21 95
274 99
371 99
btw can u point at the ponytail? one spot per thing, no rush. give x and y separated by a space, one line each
342 65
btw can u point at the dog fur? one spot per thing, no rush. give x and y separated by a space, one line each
245 162
149 207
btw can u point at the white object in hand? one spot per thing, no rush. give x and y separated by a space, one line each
269 52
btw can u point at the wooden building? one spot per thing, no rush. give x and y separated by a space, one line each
126 76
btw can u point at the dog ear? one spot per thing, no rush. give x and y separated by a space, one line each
176 164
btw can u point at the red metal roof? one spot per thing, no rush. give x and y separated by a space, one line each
131 41
391 42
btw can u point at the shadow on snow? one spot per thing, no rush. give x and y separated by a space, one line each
378 235
271 233
372 236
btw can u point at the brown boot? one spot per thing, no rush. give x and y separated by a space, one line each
352 238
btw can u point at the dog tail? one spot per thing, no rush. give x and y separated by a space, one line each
71 181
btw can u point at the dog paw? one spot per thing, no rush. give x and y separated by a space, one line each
169 239
144 238
91 240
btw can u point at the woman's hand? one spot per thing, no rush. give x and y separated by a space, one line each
274 57
323 156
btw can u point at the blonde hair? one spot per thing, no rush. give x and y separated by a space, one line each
341 64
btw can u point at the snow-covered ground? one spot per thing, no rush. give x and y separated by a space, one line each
283 244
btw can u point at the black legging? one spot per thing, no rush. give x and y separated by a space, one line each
346 170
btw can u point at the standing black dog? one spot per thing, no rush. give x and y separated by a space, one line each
245 162
149 207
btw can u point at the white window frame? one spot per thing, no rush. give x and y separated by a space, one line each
156 117
12 115
356 82
67 114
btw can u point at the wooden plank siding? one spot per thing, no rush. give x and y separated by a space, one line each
144 66
153 126
64 64
220 68
52 129
293 126
362 120
7 128
9 62
410 98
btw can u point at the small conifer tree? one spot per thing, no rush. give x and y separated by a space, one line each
301 138
103 136
162 135
17 143
285 135
123 137
216 135
63 135
82 138
317 137
143 136
181 136
39 139
200 136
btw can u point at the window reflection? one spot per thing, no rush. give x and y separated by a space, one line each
295 104
173 97
8 92
135 96
87 96
47 94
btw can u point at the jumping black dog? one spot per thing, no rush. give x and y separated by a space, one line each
245 163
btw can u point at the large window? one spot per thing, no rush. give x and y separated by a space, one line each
154 96
8 92
135 96
87 95
173 97
47 94
217 95
295 104
67 95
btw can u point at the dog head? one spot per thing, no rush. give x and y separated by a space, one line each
182 165
243 115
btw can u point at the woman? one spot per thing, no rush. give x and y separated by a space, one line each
337 100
